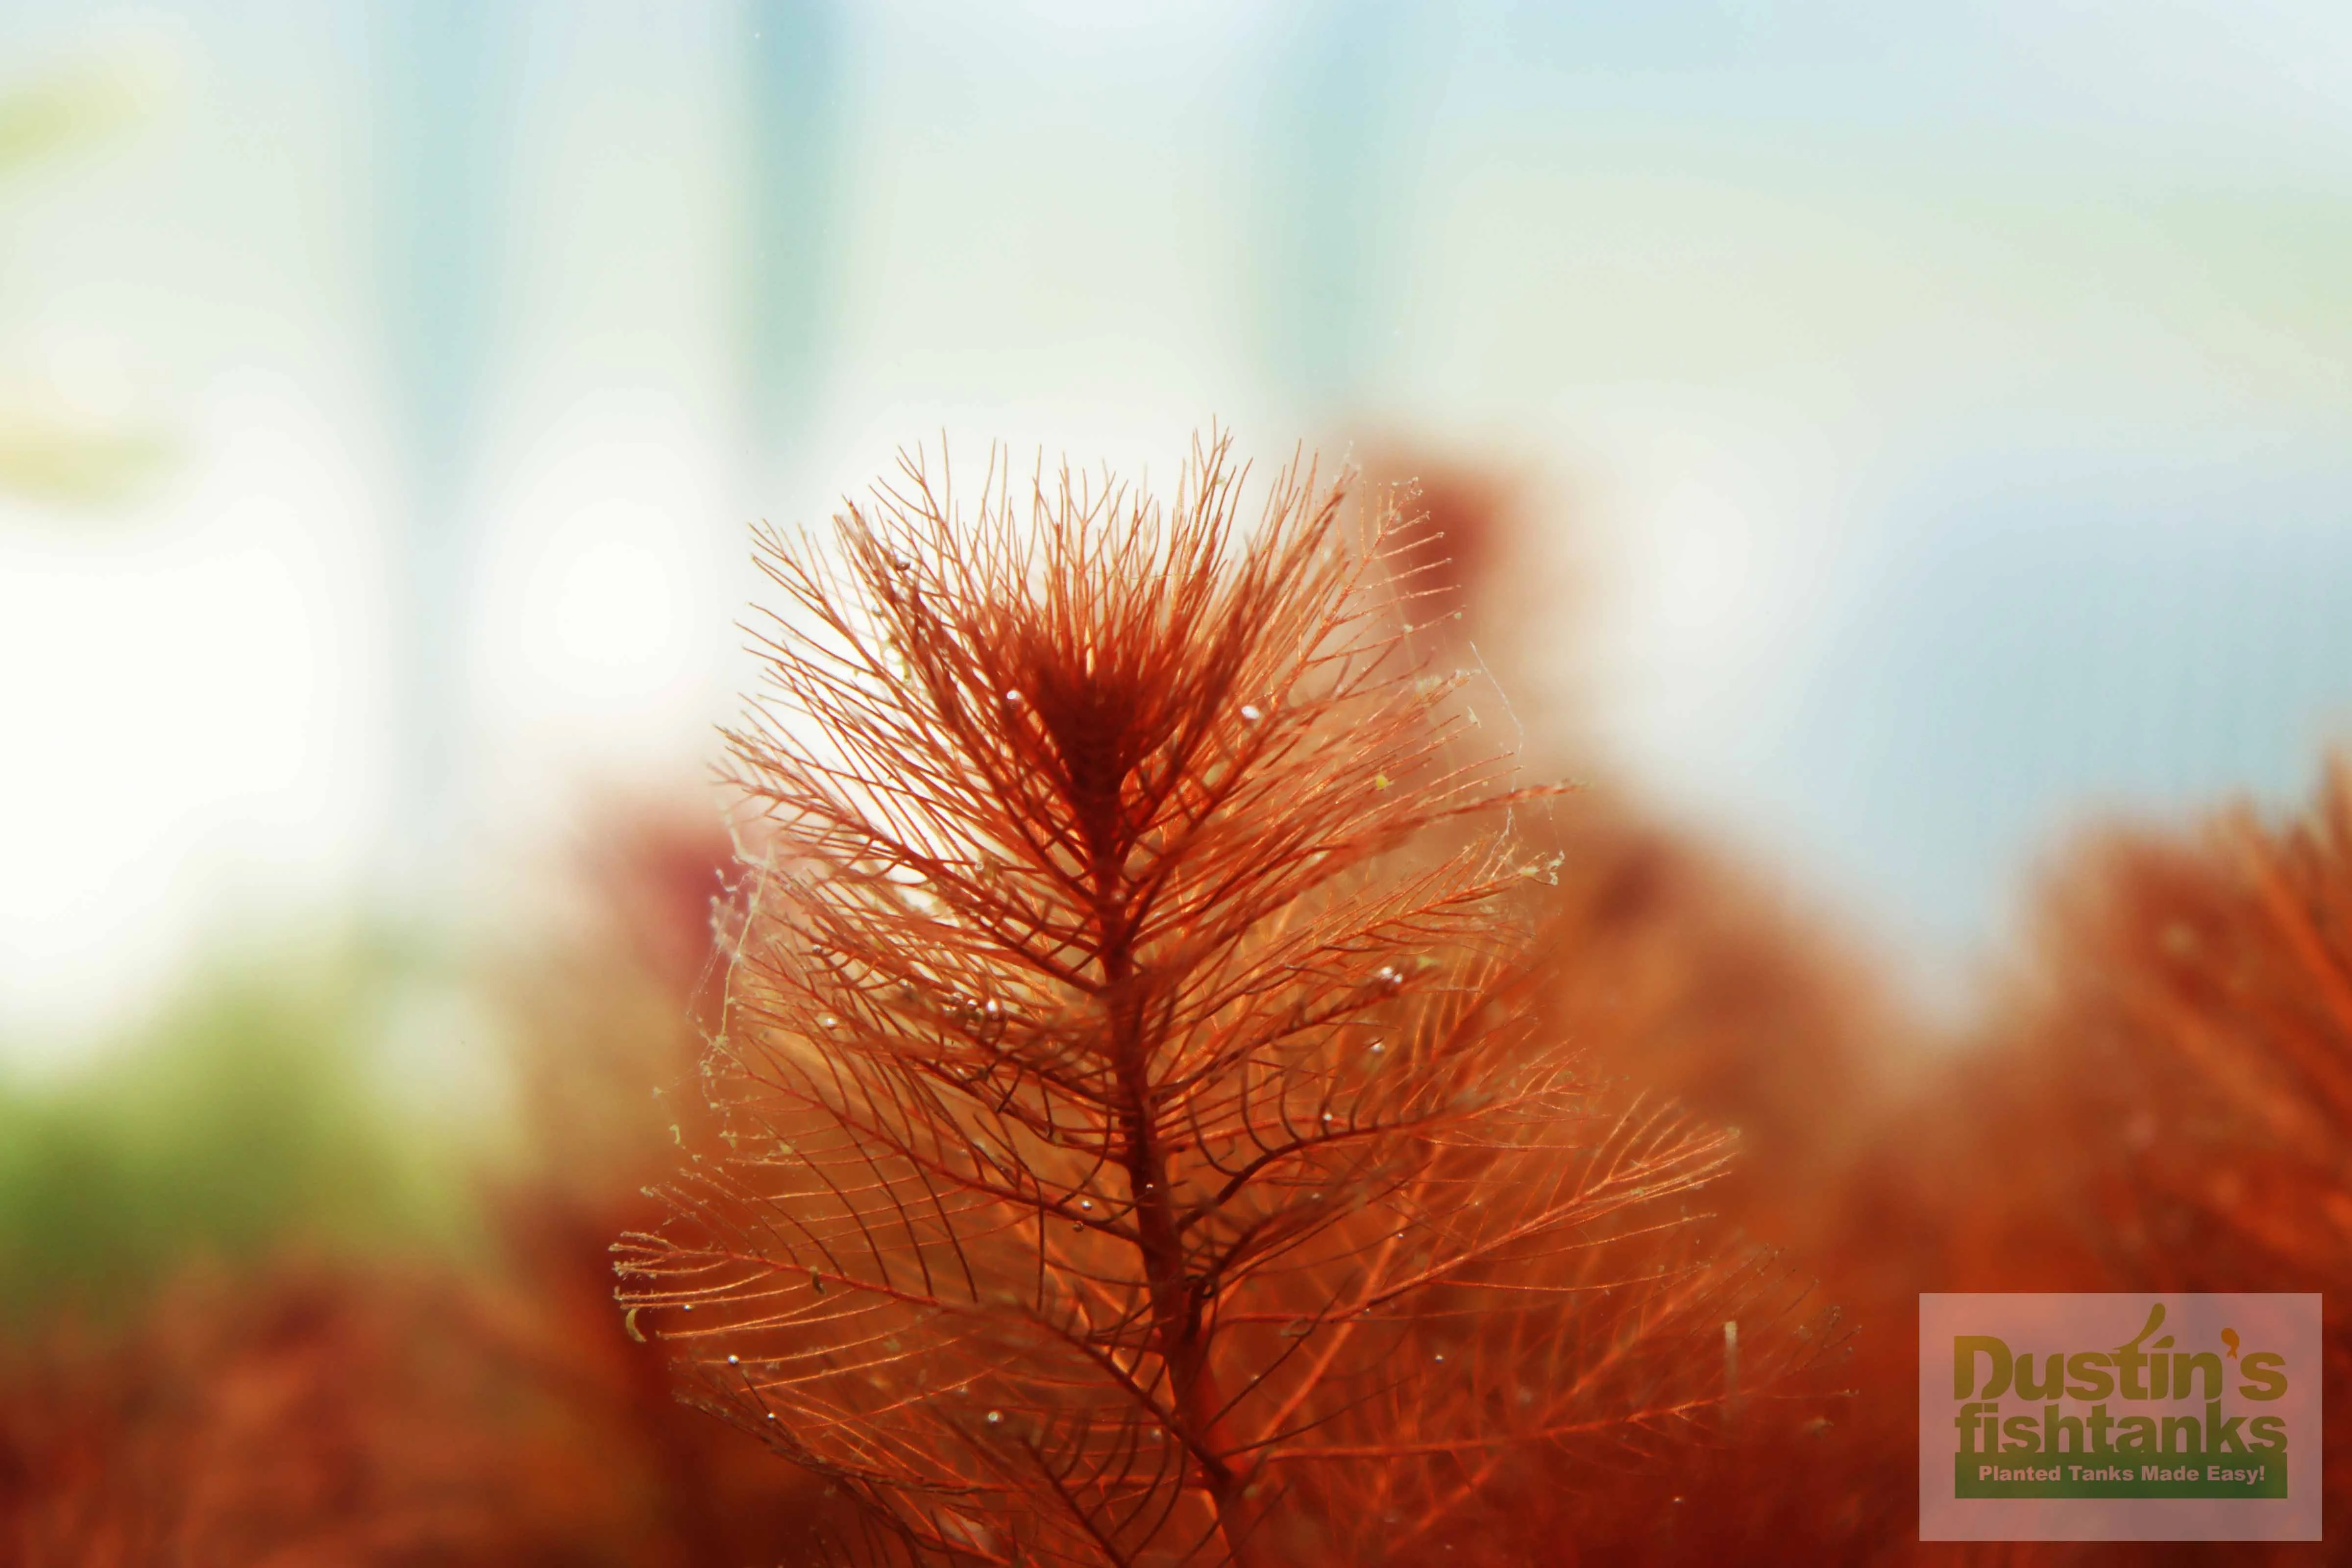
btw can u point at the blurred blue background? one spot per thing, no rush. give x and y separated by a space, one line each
1932 417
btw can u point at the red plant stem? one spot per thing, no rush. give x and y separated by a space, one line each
1198 1401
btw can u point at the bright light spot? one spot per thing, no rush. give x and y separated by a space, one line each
1708 581
90 376
606 610
175 695
1701 538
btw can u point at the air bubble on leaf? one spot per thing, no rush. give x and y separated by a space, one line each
826 1020
1379 1047
1390 978
1014 699
1250 714
995 1417
734 1361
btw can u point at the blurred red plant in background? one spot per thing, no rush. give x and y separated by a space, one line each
1666 962
316 1416
491 1408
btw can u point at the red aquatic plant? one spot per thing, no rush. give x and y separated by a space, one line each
2187 1038
2197 994
2160 1100
1137 1146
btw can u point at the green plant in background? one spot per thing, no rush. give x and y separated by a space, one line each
49 452
246 1118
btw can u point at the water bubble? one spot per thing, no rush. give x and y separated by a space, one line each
995 1417
1014 699
1086 1204
1250 715
1379 1047
826 1020
1440 1355
1389 977
734 1361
